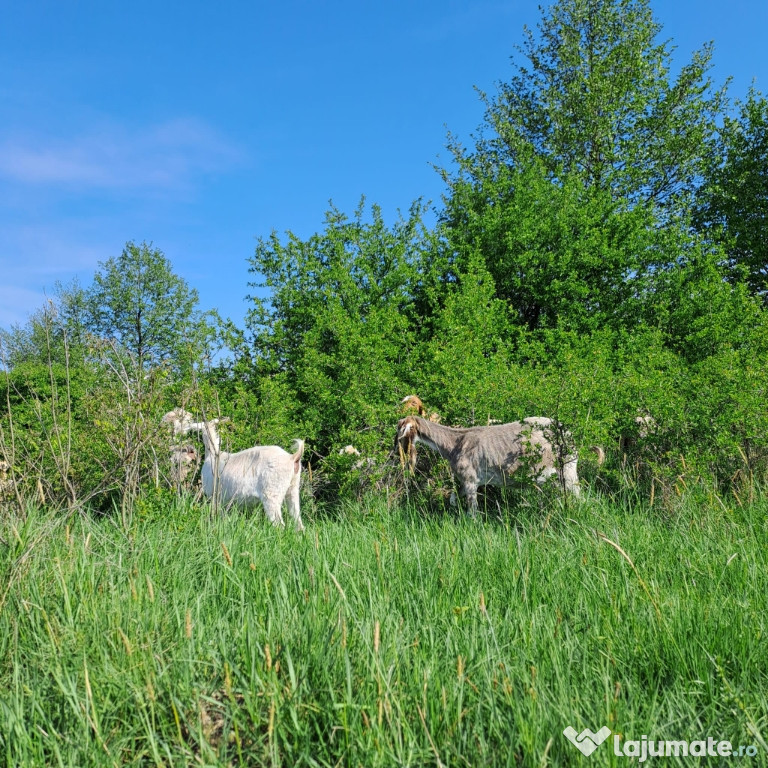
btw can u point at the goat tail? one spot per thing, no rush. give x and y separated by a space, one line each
600 454
298 451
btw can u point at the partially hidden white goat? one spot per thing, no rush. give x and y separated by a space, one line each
184 463
265 472
489 455
184 457
6 482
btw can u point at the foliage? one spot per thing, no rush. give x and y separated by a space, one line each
559 253
80 434
337 330
139 301
53 333
465 362
565 277
734 198
83 398
595 101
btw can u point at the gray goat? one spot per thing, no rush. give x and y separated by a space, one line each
489 455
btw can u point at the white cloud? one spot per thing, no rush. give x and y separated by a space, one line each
70 202
165 156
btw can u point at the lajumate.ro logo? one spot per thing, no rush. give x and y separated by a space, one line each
588 741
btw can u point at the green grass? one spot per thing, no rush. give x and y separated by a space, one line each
380 637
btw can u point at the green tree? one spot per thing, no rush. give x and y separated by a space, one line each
596 100
138 301
338 328
585 157
87 379
733 202
53 333
559 253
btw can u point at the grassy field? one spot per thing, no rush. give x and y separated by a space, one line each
380 637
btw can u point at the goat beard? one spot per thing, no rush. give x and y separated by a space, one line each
406 449
412 457
410 452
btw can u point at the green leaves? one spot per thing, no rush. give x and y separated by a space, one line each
137 300
338 323
559 253
585 169
595 101
733 201
566 277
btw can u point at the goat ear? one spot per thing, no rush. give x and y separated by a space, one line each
404 430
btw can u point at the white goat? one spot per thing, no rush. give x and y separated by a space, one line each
184 457
179 419
6 482
184 462
489 455
644 427
266 473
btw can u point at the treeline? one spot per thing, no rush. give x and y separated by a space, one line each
599 255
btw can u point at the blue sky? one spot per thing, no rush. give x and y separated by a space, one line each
202 126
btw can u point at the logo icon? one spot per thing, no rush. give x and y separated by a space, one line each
586 741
